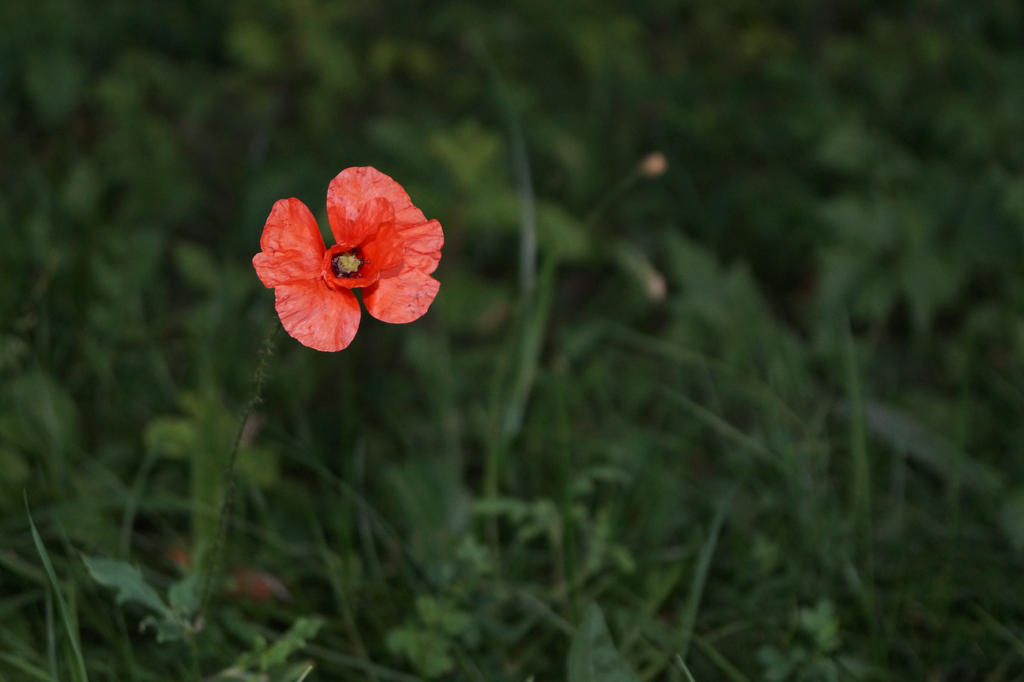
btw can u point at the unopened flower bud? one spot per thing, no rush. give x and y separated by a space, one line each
653 165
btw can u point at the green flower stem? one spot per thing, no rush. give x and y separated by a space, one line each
212 560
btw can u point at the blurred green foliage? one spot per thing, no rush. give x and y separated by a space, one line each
449 495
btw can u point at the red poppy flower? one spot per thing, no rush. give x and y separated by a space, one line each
385 246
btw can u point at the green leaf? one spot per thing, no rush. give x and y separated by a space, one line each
442 615
266 657
304 629
822 624
128 582
184 596
165 630
592 656
427 650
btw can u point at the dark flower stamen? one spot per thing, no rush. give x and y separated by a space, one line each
347 264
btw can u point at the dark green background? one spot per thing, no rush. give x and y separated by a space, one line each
840 232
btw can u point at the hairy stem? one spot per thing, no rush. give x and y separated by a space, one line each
212 563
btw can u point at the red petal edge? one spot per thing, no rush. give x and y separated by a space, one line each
316 316
292 247
423 244
403 298
353 187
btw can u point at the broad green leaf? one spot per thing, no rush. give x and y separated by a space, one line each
593 656
184 595
128 582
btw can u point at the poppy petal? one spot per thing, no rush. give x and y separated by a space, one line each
385 250
374 215
423 244
316 316
292 247
352 188
403 298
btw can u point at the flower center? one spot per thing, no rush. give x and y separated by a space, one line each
347 264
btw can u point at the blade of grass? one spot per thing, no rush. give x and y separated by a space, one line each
521 168
51 636
682 666
332 571
35 672
730 671
684 357
567 572
78 670
723 427
860 487
544 611
1000 630
364 514
354 663
377 524
511 408
661 587
528 211
860 477
700 574
593 656
132 503
210 561
535 304
916 442
529 353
